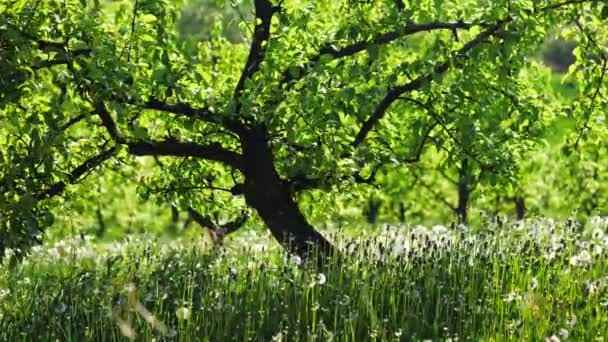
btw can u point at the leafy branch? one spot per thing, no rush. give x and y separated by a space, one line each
73 177
394 94
339 52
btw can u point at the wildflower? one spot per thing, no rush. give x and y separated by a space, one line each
597 234
125 328
597 250
552 338
233 273
592 287
321 279
571 322
581 259
345 300
60 308
511 297
533 283
183 313
563 333
296 260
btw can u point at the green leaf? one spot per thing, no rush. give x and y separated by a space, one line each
373 51
148 18
604 13
140 132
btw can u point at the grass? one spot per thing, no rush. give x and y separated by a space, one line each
537 281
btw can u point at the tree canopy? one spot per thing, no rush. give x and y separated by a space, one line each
322 98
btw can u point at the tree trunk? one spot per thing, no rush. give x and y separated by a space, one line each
401 213
101 224
373 210
269 196
464 192
520 207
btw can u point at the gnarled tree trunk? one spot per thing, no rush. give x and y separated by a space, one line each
266 192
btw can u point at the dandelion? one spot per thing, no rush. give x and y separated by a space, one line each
571 322
597 250
581 259
183 313
321 279
597 234
345 300
533 283
60 308
511 297
278 337
296 260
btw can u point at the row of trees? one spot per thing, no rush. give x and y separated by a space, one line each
323 100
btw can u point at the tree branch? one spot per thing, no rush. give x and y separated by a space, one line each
420 149
432 191
108 122
384 38
87 166
186 110
179 108
73 121
263 16
394 93
170 147
303 183
218 231
566 3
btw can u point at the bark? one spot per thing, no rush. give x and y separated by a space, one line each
174 220
464 192
101 224
373 210
520 207
267 193
217 231
401 212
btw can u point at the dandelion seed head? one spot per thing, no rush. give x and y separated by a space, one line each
183 313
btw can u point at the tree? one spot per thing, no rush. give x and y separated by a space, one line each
322 100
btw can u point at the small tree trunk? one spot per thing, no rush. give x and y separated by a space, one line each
265 192
520 207
401 213
464 192
172 228
373 209
101 224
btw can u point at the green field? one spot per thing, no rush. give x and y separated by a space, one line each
531 282
303 170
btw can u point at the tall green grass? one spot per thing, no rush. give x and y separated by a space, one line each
533 282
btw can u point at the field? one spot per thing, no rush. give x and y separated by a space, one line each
536 281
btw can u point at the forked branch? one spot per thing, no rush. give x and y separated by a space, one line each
394 93
218 231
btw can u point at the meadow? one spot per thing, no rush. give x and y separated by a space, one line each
536 281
